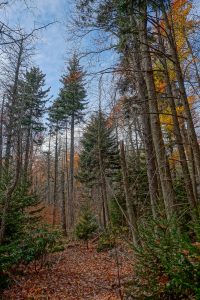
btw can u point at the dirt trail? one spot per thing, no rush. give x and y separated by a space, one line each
75 274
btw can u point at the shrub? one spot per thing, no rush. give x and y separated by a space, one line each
26 238
106 241
34 245
86 226
167 264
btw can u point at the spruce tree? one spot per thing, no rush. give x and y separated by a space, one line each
86 226
99 159
34 97
73 98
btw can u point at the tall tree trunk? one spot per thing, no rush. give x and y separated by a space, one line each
104 198
193 58
190 158
193 173
27 153
183 94
64 225
67 177
103 189
71 175
147 133
1 137
130 135
162 160
102 175
49 171
10 127
177 132
11 189
131 211
104 218
14 98
9 131
55 195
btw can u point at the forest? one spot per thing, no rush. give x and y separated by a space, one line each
100 169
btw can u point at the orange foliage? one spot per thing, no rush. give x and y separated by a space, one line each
182 25
73 77
166 118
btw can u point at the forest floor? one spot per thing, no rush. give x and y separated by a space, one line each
74 274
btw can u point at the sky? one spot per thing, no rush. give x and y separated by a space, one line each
51 44
54 45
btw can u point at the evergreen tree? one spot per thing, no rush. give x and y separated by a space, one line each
56 115
99 158
73 93
98 141
73 98
33 97
86 226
